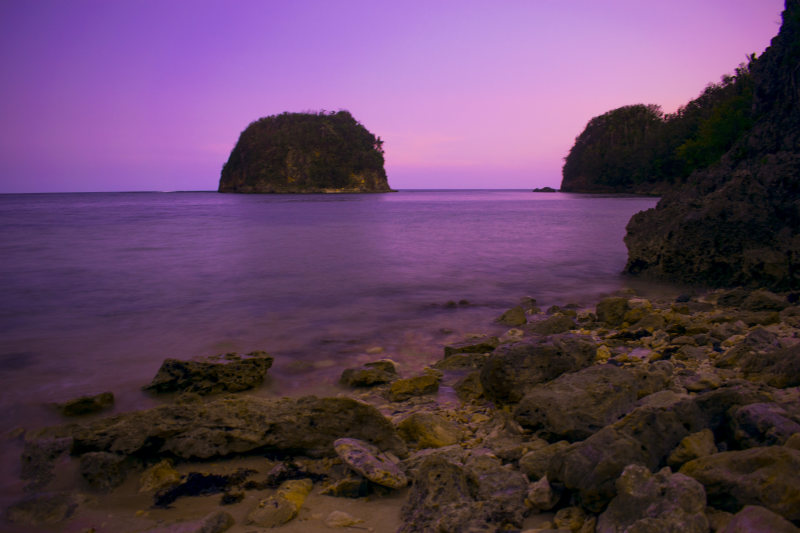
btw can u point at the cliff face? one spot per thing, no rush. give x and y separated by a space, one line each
738 221
304 153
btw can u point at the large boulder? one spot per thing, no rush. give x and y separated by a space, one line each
765 476
576 405
229 373
655 502
235 425
757 519
303 153
369 374
760 424
513 369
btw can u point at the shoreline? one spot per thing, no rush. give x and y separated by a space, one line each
677 338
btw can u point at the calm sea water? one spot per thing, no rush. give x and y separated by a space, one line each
97 289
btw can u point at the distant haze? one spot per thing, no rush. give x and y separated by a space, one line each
152 94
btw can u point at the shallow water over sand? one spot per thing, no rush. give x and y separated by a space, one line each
99 288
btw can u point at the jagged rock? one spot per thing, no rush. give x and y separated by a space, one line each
575 405
515 368
403 389
757 519
552 325
481 345
611 310
429 430
570 519
235 425
42 509
349 487
761 300
283 506
87 404
39 458
469 387
341 519
158 477
536 463
461 361
513 317
480 495
760 424
233 374
759 476
103 471
369 374
370 462
696 445
655 502
541 495
215 522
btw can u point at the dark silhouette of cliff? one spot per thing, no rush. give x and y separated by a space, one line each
303 153
737 221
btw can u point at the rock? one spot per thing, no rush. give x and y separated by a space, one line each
349 487
341 519
461 361
651 322
481 345
87 404
541 496
513 317
570 519
469 387
760 424
103 471
480 495
39 458
762 300
552 325
403 389
215 522
611 311
575 405
305 153
283 506
696 445
236 373
757 519
536 463
515 368
778 368
369 374
759 476
793 442
370 462
235 425
429 430
158 477
42 509
655 502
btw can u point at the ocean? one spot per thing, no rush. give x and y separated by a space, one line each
99 288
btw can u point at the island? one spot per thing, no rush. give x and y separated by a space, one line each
325 152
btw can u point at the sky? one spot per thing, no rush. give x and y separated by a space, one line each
130 95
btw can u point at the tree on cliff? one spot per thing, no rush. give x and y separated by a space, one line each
305 152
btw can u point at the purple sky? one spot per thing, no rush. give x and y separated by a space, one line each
152 94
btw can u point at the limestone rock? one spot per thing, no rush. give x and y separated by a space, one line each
233 374
655 502
235 425
39 458
570 519
513 317
87 404
159 476
283 506
764 476
461 361
480 345
429 430
536 463
696 445
514 368
611 311
369 374
42 509
214 522
103 471
552 325
762 300
541 495
760 424
341 519
403 389
757 519
370 462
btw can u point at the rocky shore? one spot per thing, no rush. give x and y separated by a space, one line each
679 414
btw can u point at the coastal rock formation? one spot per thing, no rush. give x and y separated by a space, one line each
227 373
737 222
305 153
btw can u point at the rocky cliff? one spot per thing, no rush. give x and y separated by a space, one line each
737 222
304 153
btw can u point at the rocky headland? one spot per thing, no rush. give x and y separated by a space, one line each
629 415
305 153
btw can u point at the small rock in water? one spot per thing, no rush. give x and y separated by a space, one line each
158 477
42 509
513 317
403 389
342 519
283 506
369 374
370 462
429 430
236 373
103 471
87 404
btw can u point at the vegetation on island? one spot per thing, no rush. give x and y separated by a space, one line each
305 152
638 148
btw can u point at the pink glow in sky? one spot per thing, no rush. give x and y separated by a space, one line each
152 94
